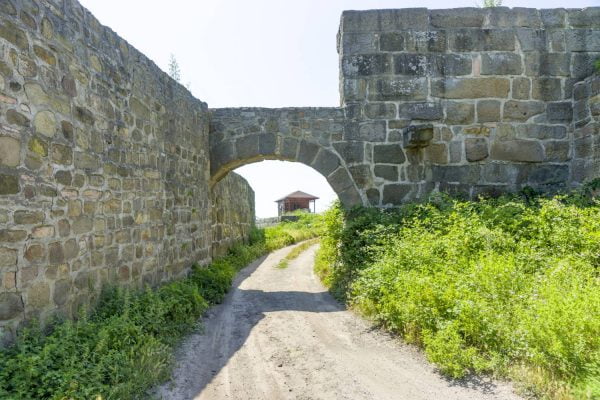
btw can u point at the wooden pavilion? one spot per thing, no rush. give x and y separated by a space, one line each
296 201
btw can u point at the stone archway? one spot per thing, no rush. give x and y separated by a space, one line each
240 136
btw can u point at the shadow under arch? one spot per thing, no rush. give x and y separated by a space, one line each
241 136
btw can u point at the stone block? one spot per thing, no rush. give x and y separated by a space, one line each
11 306
25 217
488 111
38 295
410 64
267 143
469 40
420 111
458 113
62 154
14 117
476 149
351 152
35 253
397 89
364 65
465 174
559 112
396 193
582 65
307 152
553 18
326 162
557 150
393 41
86 161
515 110
547 174
9 184
501 64
373 196
532 40
61 292
584 18
517 150
45 123
582 40
82 225
387 172
361 174
388 154
550 64
541 132
505 17
437 153
467 17
246 147
417 136
470 88
547 89
450 64
10 151
372 131
8 257
380 110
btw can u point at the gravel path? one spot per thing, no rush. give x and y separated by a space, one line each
280 335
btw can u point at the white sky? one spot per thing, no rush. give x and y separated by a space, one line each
262 53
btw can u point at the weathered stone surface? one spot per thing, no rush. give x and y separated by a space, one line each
476 149
398 89
488 111
417 136
24 217
9 184
470 88
522 110
421 111
501 64
517 150
38 295
387 172
396 193
45 123
11 306
16 118
388 153
458 113
10 151
560 112
8 257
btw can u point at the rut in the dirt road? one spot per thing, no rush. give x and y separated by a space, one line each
280 335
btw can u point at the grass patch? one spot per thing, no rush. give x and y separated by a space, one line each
507 286
295 252
124 347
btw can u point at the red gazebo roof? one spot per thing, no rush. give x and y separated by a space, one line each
298 195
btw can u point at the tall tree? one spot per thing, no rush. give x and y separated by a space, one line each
174 70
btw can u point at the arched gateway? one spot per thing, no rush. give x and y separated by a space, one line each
311 136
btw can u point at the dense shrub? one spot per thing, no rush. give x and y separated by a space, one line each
509 286
125 345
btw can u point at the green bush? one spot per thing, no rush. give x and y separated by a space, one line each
502 285
125 345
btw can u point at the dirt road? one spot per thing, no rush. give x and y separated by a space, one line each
280 335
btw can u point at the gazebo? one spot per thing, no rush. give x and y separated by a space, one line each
296 201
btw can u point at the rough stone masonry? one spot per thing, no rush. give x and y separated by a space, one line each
112 173
104 167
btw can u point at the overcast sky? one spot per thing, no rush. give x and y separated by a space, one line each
263 53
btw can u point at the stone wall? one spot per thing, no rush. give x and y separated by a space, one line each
465 100
232 213
104 165
586 136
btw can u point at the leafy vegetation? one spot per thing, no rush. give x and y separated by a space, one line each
125 346
508 286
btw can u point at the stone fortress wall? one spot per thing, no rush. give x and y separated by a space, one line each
111 172
104 166
469 100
